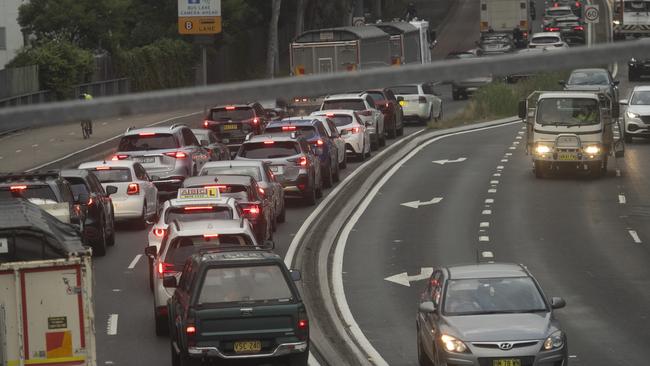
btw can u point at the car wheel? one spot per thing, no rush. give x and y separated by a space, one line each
439 118
309 197
392 133
337 172
627 138
327 177
382 139
539 170
301 359
141 222
176 359
111 238
186 360
162 325
283 214
150 262
400 131
319 190
99 247
344 163
374 144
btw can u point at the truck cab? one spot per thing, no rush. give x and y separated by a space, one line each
570 130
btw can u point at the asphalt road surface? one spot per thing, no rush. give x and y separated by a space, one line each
584 239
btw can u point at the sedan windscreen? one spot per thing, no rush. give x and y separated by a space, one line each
493 296
545 40
264 150
354 104
245 284
251 171
143 142
588 78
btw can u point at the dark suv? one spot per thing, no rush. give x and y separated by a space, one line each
312 130
387 103
231 123
237 305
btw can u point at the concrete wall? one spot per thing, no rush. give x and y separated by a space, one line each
13 36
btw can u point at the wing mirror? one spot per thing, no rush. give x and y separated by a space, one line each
295 275
400 99
562 82
111 190
170 281
616 82
151 251
427 307
558 303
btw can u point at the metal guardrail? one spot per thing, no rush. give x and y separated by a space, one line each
42 96
198 97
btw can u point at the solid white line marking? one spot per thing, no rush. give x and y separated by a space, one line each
492 190
634 236
487 212
621 199
111 328
135 261
337 262
489 200
484 238
484 224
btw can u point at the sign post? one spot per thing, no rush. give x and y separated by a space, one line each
200 17
592 15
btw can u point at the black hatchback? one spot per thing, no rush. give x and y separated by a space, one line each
231 123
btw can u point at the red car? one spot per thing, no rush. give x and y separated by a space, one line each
387 103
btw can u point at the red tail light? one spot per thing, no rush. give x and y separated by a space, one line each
190 332
256 120
579 28
288 128
354 130
190 329
261 190
303 324
134 188
177 154
552 29
230 108
90 201
119 157
319 142
165 268
329 114
206 123
197 208
302 161
18 188
103 168
252 210
147 134
159 232
387 105
270 142
422 100
210 236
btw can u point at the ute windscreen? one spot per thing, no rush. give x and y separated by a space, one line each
276 150
158 141
235 114
245 284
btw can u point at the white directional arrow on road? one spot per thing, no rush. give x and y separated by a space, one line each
405 280
443 162
417 204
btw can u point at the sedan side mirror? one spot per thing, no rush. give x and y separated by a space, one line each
400 99
269 244
111 190
170 281
427 307
295 275
558 303
151 251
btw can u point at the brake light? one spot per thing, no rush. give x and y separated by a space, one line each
303 323
253 210
579 28
177 154
256 120
119 157
387 105
261 190
304 99
302 161
296 100
319 142
230 108
206 123
270 142
90 201
134 188
210 236
552 29
288 128
355 130
18 188
220 187
190 329
159 232
197 208
165 268
147 134
422 100
329 114
103 168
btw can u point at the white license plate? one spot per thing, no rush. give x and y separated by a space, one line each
145 159
277 169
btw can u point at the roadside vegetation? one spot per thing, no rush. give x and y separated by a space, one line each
500 99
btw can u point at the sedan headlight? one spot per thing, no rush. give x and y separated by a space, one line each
453 345
632 114
616 22
592 149
542 149
554 341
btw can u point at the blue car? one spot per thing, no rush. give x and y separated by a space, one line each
312 130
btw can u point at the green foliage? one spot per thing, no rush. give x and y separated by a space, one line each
165 63
60 63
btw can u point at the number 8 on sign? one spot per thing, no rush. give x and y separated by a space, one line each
188 25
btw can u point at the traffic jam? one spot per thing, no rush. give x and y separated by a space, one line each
211 195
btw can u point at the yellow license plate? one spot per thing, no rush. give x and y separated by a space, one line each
507 362
248 347
567 156
230 127
402 103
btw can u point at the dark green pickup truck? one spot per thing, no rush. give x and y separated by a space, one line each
234 307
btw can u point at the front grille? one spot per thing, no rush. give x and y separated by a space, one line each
489 361
645 119
495 345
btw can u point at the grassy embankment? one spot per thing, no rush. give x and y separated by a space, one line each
499 99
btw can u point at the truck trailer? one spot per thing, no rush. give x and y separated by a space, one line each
631 19
503 16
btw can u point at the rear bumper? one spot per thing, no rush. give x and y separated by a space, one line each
281 350
416 110
129 208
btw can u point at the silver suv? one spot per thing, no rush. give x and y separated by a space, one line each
169 154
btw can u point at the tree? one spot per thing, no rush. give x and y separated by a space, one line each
272 57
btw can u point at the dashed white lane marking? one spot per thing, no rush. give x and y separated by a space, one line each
504 160
518 137
500 167
116 290
515 143
111 327
52 140
72 134
104 123
35 145
618 172
496 174
520 132
484 224
508 154
1 158
19 151
494 182
635 236
483 238
621 199
487 212
489 200
512 147
492 190
397 241
135 260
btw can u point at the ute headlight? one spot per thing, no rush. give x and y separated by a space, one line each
632 114
554 341
542 149
453 345
592 149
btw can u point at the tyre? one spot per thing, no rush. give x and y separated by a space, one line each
627 138
99 247
309 196
176 359
595 169
186 360
374 143
274 222
111 238
337 173
162 325
400 131
382 140
632 77
328 179
539 169
283 214
344 163
392 133
141 222
150 263
439 118
319 190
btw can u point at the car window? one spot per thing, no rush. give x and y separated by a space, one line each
251 171
66 192
427 89
262 150
546 39
181 248
231 113
307 132
370 102
492 295
237 191
113 175
29 191
353 104
78 186
405 89
332 128
189 138
212 138
640 98
588 78
341 119
195 213
202 135
265 283
390 95
95 185
146 141
321 129
140 172
376 96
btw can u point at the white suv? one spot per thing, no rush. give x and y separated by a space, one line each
182 240
365 107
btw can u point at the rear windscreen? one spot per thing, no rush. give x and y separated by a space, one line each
235 114
354 104
78 187
251 171
261 150
376 96
341 120
42 192
307 132
245 284
182 248
156 141
545 40
404 89
198 213
113 175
